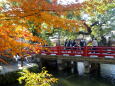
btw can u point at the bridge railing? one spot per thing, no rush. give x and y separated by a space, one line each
87 51
101 51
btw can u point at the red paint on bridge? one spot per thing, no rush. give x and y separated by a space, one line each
88 51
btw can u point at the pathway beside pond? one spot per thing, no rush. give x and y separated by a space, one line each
14 67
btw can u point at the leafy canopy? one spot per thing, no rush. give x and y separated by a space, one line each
21 22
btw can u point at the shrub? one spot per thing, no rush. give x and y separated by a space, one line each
36 79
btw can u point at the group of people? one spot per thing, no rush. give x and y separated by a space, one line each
75 43
106 42
82 42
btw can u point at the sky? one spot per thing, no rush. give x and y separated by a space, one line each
2 0
65 2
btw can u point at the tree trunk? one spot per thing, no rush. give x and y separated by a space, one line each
21 62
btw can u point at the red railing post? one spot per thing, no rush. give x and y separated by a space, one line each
85 53
72 51
59 50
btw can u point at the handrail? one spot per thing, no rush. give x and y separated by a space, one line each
99 51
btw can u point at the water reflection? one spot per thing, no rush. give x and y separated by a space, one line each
76 80
81 79
108 71
80 68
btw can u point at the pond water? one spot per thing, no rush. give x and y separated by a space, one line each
86 80
75 80
68 79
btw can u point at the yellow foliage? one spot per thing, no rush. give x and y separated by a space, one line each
37 79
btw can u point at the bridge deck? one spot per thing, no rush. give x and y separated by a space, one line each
79 58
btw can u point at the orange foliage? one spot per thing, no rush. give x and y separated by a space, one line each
14 29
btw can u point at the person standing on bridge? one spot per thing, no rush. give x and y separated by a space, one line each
109 44
73 43
82 43
66 42
94 44
69 44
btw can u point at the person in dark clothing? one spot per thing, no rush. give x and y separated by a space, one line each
69 43
66 42
109 44
103 40
73 43
81 43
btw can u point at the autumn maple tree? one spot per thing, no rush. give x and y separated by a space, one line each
21 20
17 18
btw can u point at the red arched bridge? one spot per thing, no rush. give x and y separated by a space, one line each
87 53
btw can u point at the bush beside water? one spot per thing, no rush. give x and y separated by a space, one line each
11 77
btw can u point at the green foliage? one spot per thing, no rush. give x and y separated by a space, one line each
105 23
11 77
36 79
